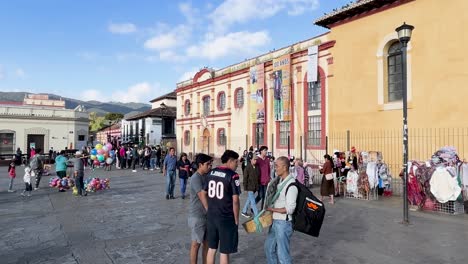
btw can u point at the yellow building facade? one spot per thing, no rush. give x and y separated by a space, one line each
365 96
234 107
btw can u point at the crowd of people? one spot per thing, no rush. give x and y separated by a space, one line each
215 208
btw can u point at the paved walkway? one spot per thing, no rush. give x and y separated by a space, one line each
134 223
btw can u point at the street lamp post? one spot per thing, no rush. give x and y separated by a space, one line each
404 35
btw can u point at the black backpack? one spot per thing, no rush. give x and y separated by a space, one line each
310 211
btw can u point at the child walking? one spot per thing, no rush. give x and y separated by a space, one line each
12 175
27 181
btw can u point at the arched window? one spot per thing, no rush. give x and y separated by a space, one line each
314 100
394 73
206 105
221 101
187 107
221 137
239 98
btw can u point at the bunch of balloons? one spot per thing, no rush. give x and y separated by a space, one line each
101 154
96 184
64 183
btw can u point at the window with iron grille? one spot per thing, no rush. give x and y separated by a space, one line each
187 107
221 137
314 95
284 130
221 101
7 142
314 131
239 98
394 73
206 105
187 137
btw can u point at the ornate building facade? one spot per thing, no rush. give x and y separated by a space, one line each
277 99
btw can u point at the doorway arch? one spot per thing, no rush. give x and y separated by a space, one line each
206 141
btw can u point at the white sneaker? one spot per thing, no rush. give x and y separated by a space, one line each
23 194
245 215
11 191
134 171
151 169
36 188
29 195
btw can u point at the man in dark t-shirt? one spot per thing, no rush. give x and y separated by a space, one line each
223 189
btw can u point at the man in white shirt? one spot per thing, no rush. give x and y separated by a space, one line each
279 235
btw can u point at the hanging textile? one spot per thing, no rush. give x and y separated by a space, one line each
371 172
444 186
351 182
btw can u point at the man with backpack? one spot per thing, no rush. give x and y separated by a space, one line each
294 207
279 235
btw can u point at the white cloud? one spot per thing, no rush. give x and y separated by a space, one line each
123 28
188 75
91 94
20 73
169 40
163 41
191 13
232 43
241 11
140 92
171 56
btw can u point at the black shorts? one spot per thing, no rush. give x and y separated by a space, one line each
224 232
61 174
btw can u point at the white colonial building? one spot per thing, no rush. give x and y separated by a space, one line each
41 123
153 127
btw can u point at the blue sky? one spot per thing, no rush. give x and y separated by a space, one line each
134 51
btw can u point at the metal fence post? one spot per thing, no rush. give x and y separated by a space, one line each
326 145
305 149
246 142
348 136
300 143
272 145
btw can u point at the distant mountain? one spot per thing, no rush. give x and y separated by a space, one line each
91 106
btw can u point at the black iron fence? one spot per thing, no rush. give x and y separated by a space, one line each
422 143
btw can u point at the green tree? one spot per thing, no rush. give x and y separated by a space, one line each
95 122
113 116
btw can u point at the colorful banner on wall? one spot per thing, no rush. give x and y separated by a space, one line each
282 88
257 92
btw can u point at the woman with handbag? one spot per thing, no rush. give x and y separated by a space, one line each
327 188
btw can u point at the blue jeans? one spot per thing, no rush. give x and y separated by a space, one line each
251 202
183 186
153 163
170 182
261 195
277 242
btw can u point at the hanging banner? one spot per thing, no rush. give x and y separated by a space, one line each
312 62
257 86
282 88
